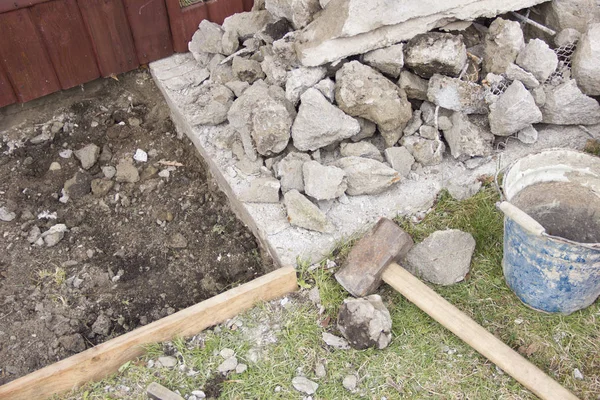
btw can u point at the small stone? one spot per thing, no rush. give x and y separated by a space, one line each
167 362
414 124
327 88
457 95
320 370
247 70
567 37
361 149
365 322
367 130
207 39
211 105
227 353
156 391
262 190
335 341
134 122
301 79
435 52
101 187
109 171
388 60
414 86
503 42
230 42
66 153
516 73
228 365
73 343
539 59
54 166
105 155
140 156
6 215
241 368
303 213
199 394
103 325
127 172
429 132
425 151
323 182
237 87
514 110
528 135
367 176
466 139
289 171
304 385
177 241
350 382
34 234
400 159
577 374
88 155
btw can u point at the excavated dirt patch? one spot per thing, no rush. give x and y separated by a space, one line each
136 254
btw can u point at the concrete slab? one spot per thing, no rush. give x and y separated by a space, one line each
350 215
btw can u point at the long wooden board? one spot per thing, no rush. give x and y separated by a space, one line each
105 359
150 28
68 43
218 10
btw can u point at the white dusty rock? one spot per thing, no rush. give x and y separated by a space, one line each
539 95
414 86
443 258
303 213
323 182
467 140
388 60
6 215
361 149
247 24
237 87
304 385
363 92
436 52
457 95
327 88
222 73
207 39
429 132
165 361
425 151
241 368
576 14
586 61
320 371
365 322
262 190
400 159
230 42
127 172
391 137
109 171
211 105
367 129
516 73
228 365
350 382
528 135
514 110
320 123
54 235
290 173
88 155
367 176
299 12
301 79
414 123
566 105
566 37
539 59
275 70
335 341
247 70
503 42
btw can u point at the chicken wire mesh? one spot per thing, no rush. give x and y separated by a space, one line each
563 71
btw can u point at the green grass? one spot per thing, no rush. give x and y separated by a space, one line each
424 360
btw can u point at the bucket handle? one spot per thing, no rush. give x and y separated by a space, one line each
522 218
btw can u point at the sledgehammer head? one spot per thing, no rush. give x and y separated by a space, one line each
361 273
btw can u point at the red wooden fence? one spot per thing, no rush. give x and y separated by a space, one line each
49 45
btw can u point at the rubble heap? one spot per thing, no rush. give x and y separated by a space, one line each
330 99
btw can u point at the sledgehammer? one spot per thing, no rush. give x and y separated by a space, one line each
374 257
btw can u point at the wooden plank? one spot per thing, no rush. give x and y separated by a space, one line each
68 43
184 22
24 57
7 94
150 28
248 4
112 41
106 358
12 5
218 10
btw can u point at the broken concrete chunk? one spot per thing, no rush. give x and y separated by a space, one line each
304 385
247 24
363 92
230 43
457 95
327 87
567 105
323 183
274 31
54 235
367 130
247 70
514 110
335 341
429 132
211 105
237 87
361 149
539 59
367 176
503 42
435 52
299 12
400 159
443 258
222 73
391 137
467 140
289 171
262 190
298 80
274 70
576 14
567 37
365 322
388 60
414 124
320 123
155 391
528 135
586 61
516 73
304 214
425 151
414 86
88 155
207 39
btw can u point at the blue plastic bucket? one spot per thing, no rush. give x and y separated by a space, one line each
552 230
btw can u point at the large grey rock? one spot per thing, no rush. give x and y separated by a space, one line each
299 12
212 103
363 92
207 39
576 14
301 79
88 155
414 86
514 110
365 322
467 140
126 172
586 61
443 258
503 42
567 105
323 182
436 53
247 24
425 151
516 73
361 149
539 59
457 95
400 159
389 60
367 176
304 385
320 123
289 171
263 114
247 70
262 190
303 213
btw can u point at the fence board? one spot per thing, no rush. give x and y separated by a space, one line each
107 24
184 22
150 28
218 10
24 57
248 4
12 5
7 95
68 43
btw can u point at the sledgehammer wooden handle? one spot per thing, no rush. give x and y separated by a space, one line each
474 334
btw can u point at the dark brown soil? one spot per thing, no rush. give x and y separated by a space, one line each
122 262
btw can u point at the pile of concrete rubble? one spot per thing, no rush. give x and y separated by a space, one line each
344 97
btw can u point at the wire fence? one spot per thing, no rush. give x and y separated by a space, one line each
186 3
